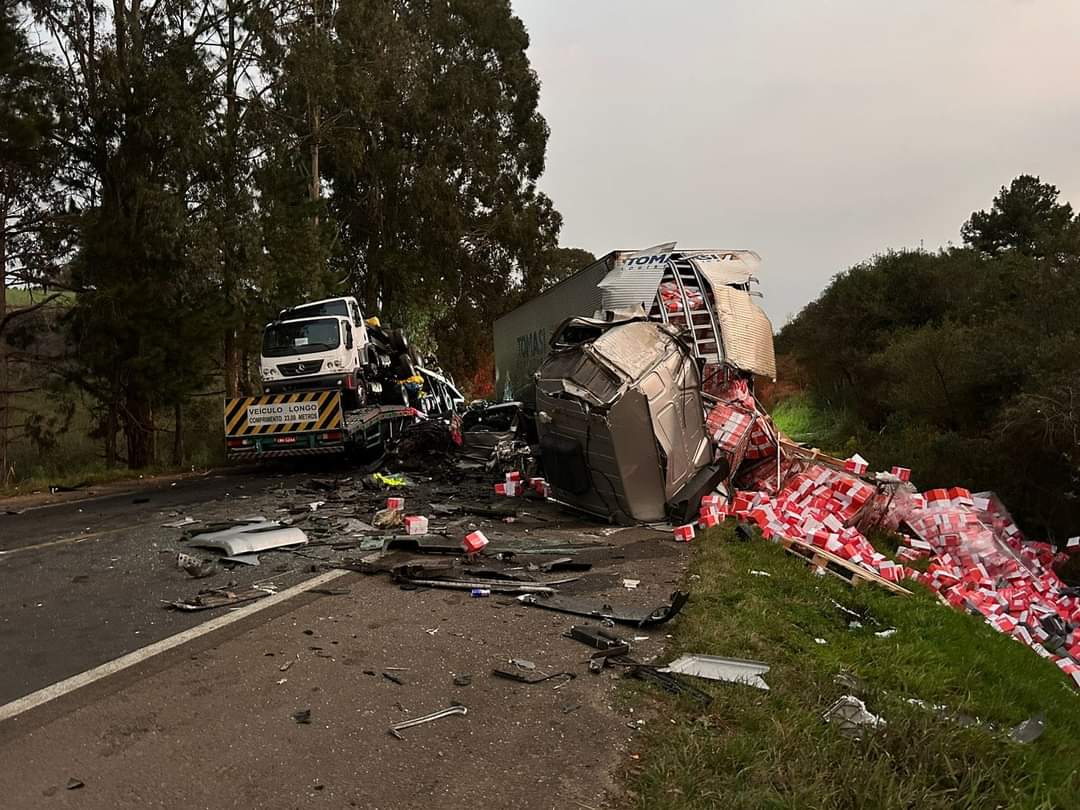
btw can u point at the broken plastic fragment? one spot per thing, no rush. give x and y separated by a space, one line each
851 717
195 566
1029 730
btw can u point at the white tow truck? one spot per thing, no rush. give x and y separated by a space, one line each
333 382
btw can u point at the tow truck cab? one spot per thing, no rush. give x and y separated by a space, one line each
307 353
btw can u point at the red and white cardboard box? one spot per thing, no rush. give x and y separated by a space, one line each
513 476
903 473
474 542
684 533
500 489
397 504
416 524
708 518
856 464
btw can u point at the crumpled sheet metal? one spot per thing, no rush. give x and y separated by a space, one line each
250 538
716 668
600 399
851 717
746 331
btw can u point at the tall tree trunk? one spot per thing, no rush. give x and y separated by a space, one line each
231 364
245 377
178 435
5 397
316 135
112 420
231 361
139 432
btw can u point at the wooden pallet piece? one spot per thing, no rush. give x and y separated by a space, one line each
853 574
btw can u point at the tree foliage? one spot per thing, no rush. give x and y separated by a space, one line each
222 159
1025 217
30 123
964 364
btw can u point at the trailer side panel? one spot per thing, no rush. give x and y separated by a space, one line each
522 335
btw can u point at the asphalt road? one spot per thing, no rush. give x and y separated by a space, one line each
83 582
211 723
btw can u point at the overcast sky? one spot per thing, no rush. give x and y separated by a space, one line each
816 132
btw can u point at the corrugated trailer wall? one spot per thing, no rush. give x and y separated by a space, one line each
521 335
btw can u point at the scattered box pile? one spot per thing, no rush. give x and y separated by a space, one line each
978 558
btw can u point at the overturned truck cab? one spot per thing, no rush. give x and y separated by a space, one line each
620 419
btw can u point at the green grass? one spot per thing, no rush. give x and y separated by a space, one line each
804 420
753 749
22 297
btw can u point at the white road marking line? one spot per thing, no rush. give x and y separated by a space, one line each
63 541
42 696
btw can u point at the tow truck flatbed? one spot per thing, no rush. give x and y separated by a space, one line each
308 423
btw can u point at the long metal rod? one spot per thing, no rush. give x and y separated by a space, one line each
499 586
427 718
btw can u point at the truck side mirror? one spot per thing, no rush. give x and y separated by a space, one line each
348 337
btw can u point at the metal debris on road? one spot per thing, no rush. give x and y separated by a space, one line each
521 678
494 586
637 618
666 680
598 637
178 524
248 538
218 597
427 718
302 717
195 566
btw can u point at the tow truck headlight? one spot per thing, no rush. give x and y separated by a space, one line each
268 372
334 364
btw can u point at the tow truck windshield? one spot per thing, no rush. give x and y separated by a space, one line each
301 337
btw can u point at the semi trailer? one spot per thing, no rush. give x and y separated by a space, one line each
708 294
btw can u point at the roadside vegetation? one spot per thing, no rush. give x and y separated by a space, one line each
963 364
753 749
